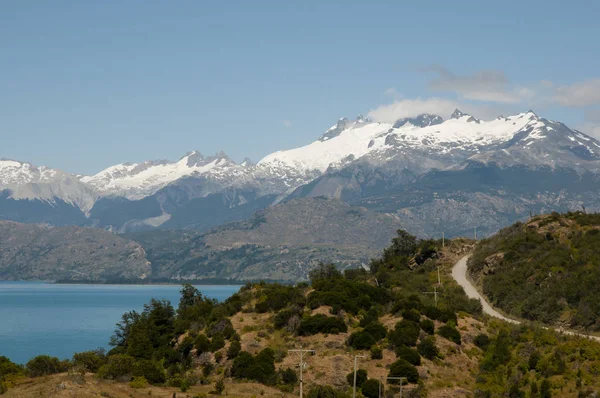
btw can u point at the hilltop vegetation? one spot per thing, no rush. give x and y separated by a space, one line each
384 314
544 270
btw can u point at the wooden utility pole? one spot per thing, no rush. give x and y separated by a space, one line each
401 381
354 388
302 364
435 294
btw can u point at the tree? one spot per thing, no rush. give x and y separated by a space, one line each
405 333
427 326
370 388
376 352
361 340
361 377
151 370
117 367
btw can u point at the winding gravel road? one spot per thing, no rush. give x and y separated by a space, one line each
459 273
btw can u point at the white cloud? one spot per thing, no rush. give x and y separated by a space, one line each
579 94
484 85
287 123
392 92
439 106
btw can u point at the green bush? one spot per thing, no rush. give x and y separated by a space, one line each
8 367
482 341
318 391
376 352
401 368
321 324
370 388
202 344
428 349
409 355
91 361
288 376
450 333
138 382
260 367
45 365
405 333
216 343
361 340
118 367
152 371
376 329
411 315
427 326
234 349
361 377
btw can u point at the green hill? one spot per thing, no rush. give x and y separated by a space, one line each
547 269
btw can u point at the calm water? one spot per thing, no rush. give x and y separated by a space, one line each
59 320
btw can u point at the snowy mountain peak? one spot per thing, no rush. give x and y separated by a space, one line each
457 114
422 120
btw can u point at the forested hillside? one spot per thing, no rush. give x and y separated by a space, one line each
547 269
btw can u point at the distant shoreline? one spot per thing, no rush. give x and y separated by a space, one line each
170 282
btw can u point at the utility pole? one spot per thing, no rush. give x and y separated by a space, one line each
302 364
401 381
475 229
435 294
355 359
443 240
439 280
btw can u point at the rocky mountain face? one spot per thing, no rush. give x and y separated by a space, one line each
283 242
42 252
434 175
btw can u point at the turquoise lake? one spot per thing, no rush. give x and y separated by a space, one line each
59 320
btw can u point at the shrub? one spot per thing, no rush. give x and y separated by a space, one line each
219 386
361 340
450 333
321 324
202 344
119 366
376 352
369 317
216 343
361 377
318 391
405 333
482 341
409 355
370 388
260 367
376 329
401 368
234 349
45 365
411 315
427 326
152 371
218 357
428 349
138 382
91 361
288 376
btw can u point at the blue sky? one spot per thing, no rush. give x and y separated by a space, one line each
84 84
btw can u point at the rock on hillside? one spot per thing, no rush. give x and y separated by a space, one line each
50 253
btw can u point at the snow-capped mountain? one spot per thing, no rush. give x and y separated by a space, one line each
139 180
24 181
360 161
